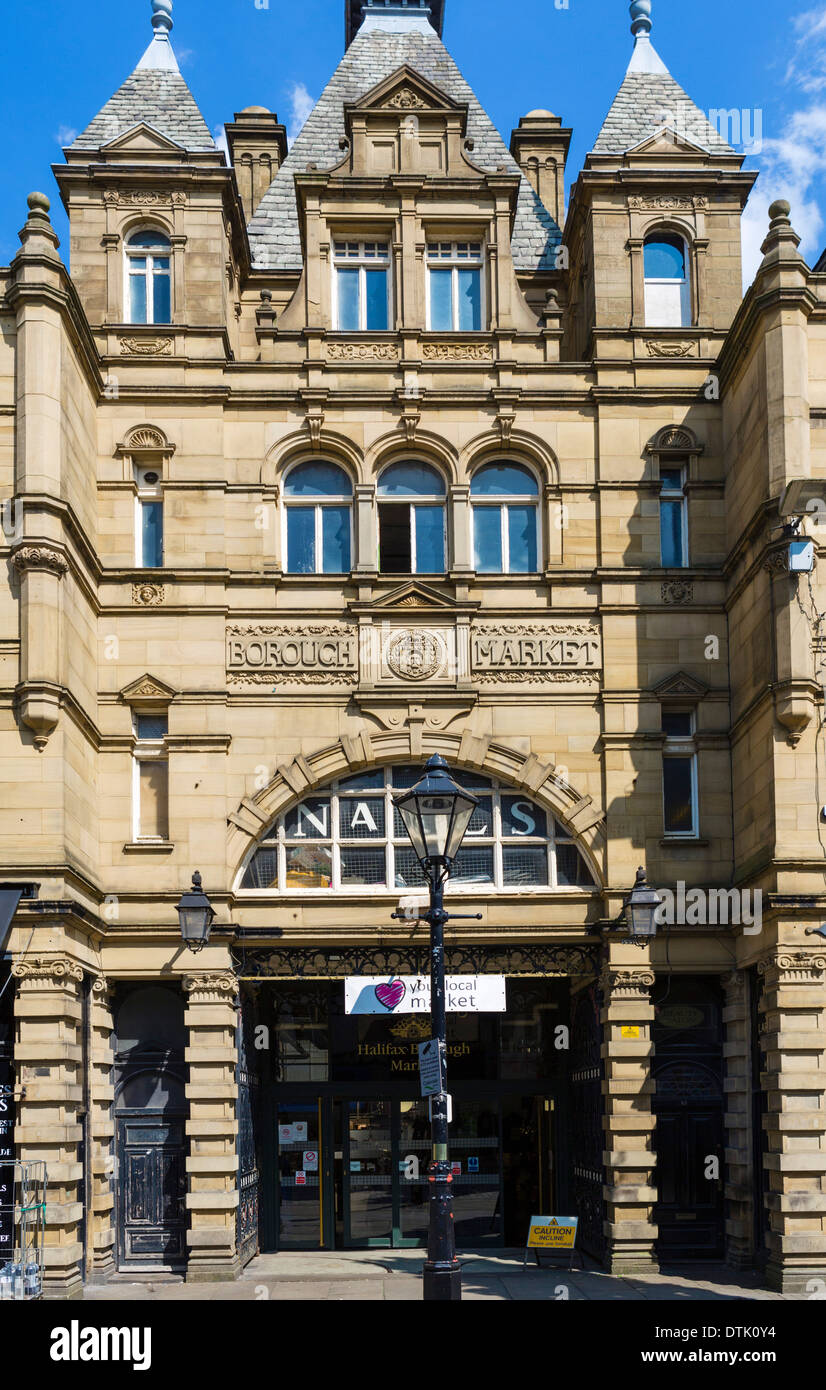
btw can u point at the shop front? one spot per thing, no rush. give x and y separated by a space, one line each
342 1136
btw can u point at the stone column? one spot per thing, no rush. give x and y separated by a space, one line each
212 1165
739 1158
627 1050
793 1041
101 1217
49 1054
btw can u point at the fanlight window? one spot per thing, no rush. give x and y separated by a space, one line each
148 278
318 499
667 298
505 497
349 837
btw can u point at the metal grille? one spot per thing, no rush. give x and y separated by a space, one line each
586 1121
249 1123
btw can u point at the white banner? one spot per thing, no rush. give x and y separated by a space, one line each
410 994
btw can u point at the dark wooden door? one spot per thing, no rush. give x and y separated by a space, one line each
152 1191
689 1145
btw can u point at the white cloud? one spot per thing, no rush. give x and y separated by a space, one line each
301 104
66 135
219 135
184 56
793 166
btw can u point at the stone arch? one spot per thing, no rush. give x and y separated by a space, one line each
298 447
673 225
484 448
675 439
527 773
430 448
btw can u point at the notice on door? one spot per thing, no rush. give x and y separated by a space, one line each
410 994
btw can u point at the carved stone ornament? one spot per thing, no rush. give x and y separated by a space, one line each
40 557
626 982
675 439
668 347
277 653
777 561
677 591
41 970
457 352
542 653
504 424
414 654
146 438
211 989
362 352
146 347
405 99
148 595
791 967
662 202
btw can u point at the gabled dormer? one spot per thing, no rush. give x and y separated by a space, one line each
407 125
653 223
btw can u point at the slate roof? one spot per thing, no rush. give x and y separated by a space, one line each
646 102
156 95
372 56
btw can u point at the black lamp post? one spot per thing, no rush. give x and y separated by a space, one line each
436 813
639 911
196 915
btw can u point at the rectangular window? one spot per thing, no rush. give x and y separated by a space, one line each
151 535
361 286
150 813
673 522
487 540
301 539
679 773
454 286
137 287
429 533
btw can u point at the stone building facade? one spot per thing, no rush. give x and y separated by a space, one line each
324 461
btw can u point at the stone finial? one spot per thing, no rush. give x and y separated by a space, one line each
39 206
162 18
782 240
779 213
640 17
38 234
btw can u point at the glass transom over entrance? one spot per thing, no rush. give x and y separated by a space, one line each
349 836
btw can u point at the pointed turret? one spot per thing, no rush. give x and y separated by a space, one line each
155 94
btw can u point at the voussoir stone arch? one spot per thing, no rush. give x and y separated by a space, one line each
298 445
393 448
521 447
311 772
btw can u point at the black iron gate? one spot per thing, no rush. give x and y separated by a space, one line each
249 1127
587 1137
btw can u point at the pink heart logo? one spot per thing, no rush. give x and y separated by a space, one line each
391 995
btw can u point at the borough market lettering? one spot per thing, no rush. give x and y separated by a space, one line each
528 652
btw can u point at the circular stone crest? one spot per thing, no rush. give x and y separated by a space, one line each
413 654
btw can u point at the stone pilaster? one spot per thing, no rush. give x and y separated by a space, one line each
793 1042
212 1165
49 1053
739 1162
101 1218
627 1050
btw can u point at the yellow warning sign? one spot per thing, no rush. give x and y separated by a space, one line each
552 1232
630 1030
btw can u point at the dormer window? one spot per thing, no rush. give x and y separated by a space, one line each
667 298
454 286
361 286
148 278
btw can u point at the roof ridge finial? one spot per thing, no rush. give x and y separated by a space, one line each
162 18
640 18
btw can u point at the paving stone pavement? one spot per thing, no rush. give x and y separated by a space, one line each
395 1276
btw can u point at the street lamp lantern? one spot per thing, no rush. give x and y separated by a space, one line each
196 915
436 814
640 910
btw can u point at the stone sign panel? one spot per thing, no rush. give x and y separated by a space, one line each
272 654
540 652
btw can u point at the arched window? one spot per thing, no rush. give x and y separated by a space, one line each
318 504
148 278
411 520
665 266
505 497
350 838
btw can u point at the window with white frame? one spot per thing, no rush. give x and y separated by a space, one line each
667 290
148 518
411 506
349 837
679 773
361 286
505 500
148 277
455 286
673 515
150 777
318 510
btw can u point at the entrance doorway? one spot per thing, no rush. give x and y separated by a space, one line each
352 1171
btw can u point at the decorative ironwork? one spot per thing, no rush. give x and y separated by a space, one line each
587 1139
331 964
249 1127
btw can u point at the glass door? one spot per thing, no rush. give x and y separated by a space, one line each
412 1159
367 1173
303 1178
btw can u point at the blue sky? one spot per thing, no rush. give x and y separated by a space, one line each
752 55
